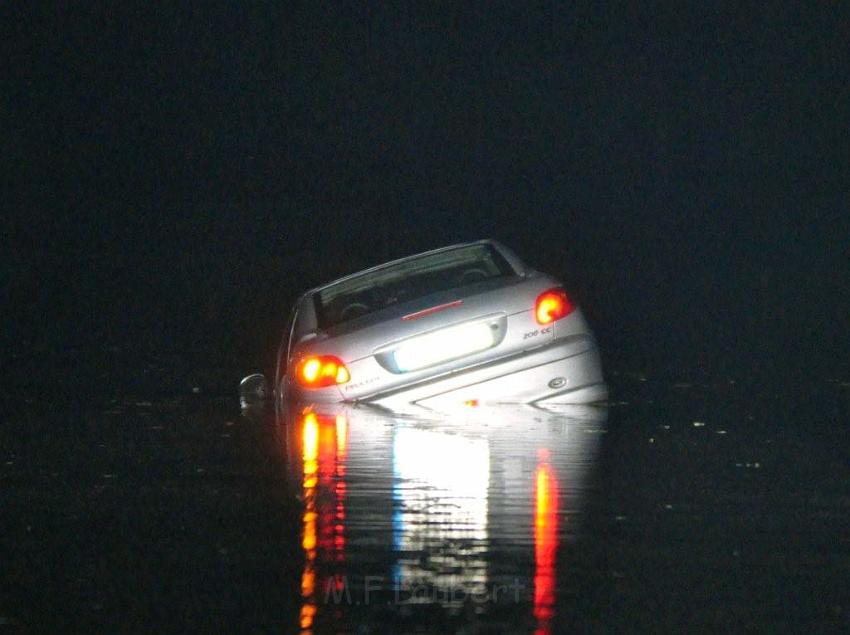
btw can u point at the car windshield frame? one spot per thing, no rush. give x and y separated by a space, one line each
409 279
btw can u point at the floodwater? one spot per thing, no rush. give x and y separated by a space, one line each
450 520
679 505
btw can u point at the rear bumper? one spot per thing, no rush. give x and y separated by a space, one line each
566 371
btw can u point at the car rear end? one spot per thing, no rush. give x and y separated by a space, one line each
512 337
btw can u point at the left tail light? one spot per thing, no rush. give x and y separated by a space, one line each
321 371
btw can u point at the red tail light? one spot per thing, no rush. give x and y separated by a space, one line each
552 305
318 372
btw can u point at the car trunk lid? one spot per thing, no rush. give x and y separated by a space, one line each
409 342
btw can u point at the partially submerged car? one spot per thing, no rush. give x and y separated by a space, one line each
465 324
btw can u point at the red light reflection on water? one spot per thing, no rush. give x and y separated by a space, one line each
545 541
325 446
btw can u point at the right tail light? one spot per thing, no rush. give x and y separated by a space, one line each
552 305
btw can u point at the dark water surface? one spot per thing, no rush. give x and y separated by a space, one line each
679 505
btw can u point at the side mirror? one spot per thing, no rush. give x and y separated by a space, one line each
253 389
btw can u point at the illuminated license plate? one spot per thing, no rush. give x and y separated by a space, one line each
443 345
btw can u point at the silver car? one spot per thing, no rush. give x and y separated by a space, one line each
465 324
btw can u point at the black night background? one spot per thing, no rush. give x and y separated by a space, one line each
174 176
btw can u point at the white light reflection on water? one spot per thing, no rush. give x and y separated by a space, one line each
440 519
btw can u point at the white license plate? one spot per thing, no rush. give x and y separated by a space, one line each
443 345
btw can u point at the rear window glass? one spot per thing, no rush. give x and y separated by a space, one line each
408 280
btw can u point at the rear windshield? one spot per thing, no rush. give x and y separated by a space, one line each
408 280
